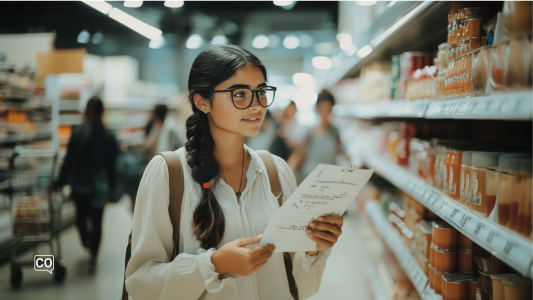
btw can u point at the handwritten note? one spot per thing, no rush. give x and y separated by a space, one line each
327 191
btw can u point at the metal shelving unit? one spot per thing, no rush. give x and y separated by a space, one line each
505 106
510 247
403 254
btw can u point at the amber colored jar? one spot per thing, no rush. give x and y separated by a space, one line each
443 260
472 12
454 287
444 235
480 162
467 264
475 43
467 75
517 288
452 49
466 169
472 289
454 177
467 244
423 237
438 281
498 292
473 27
431 277
445 173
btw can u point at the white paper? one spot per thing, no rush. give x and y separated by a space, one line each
327 191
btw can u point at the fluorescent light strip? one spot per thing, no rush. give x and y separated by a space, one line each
100 6
135 24
397 25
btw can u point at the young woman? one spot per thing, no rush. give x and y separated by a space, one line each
220 226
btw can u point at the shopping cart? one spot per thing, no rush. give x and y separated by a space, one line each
35 210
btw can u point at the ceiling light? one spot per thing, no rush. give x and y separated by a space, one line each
133 4
135 24
260 41
282 3
194 42
97 38
291 42
84 37
345 41
174 4
157 43
303 80
219 40
364 51
101 6
273 41
366 3
321 62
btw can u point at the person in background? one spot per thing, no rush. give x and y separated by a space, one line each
172 135
289 134
153 129
89 169
322 144
263 140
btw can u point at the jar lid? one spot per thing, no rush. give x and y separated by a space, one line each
511 161
485 159
475 18
470 277
525 165
520 281
467 158
445 250
441 225
454 278
503 276
474 252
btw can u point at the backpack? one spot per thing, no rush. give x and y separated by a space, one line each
175 172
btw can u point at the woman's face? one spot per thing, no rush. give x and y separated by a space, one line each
225 116
323 109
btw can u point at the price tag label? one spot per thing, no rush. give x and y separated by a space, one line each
463 108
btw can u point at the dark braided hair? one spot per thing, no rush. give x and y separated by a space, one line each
213 66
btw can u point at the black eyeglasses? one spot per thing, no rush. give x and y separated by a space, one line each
243 98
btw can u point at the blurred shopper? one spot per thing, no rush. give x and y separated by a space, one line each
153 129
171 137
322 144
227 200
263 140
289 134
89 169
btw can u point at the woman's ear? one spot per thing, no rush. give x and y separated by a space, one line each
201 103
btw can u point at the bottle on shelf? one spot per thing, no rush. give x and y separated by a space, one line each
525 207
480 162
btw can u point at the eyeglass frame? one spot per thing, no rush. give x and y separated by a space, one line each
253 94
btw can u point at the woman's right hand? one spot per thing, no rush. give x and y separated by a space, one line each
233 258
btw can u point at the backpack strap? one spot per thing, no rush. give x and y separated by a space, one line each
275 185
176 188
273 175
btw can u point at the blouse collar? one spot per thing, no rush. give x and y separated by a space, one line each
256 163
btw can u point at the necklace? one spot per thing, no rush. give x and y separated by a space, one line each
238 194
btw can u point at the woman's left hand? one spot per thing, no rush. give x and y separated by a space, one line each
325 239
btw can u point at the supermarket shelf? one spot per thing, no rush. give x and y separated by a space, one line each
69 105
504 106
404 256
17 139
384 109
510 247
398 29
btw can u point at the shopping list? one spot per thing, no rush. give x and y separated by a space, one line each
327 191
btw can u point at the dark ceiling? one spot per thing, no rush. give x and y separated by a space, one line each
68 18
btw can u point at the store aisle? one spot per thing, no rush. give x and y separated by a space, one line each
105 283
344 276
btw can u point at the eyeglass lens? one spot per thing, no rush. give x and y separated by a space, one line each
242 98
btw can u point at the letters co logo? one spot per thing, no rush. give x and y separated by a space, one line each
43 263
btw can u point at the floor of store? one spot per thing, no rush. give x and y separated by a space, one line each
344 275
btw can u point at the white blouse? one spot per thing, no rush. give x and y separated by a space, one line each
191 275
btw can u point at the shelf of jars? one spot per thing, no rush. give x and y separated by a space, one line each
404 256
510 247
503 106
